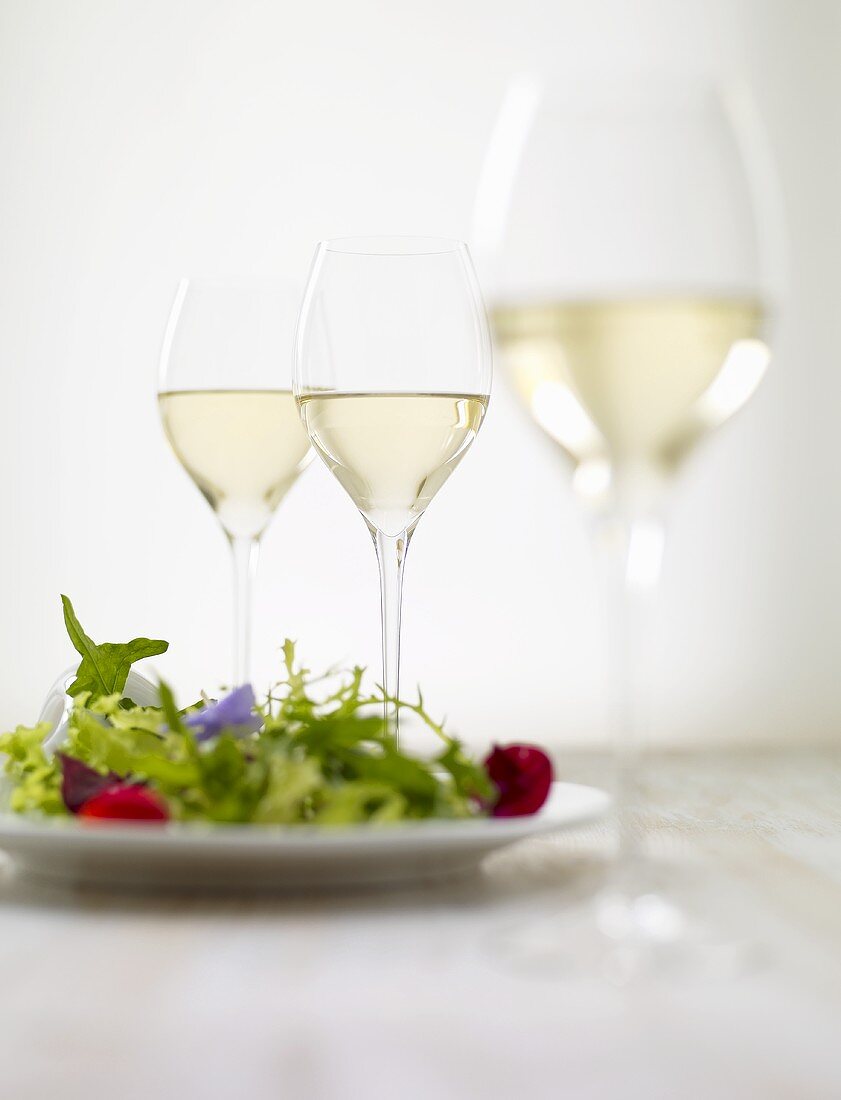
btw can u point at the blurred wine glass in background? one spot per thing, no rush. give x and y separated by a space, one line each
629 245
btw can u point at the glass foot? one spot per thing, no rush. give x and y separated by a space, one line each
625 934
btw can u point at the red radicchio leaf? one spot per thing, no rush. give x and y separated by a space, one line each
522 774
126 801
80 783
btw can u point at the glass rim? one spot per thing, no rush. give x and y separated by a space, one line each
239 283
392 246
638 82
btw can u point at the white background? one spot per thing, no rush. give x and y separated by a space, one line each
142 141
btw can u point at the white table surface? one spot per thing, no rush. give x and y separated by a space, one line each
403 994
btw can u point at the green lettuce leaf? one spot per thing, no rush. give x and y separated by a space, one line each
37 780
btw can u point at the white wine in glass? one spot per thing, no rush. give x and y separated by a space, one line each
244 449
632 379
392 452
392 378
227 408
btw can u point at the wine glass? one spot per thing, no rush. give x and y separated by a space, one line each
628 230
392 378
225 400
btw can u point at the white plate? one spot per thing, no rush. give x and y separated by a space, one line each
236 857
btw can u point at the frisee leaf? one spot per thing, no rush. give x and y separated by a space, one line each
104 668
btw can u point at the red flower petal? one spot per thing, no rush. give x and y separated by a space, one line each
522 774
128 802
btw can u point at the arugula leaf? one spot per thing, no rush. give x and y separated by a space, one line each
400 774
104 668
170 709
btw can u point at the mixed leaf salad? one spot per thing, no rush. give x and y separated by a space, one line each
315 751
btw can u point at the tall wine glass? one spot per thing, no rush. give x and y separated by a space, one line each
225 399
392 377
627 231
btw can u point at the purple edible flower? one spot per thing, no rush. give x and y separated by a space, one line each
234 713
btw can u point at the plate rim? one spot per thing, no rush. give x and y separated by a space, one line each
596 802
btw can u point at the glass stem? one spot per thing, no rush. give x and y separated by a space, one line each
245 552
391 554
630 539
